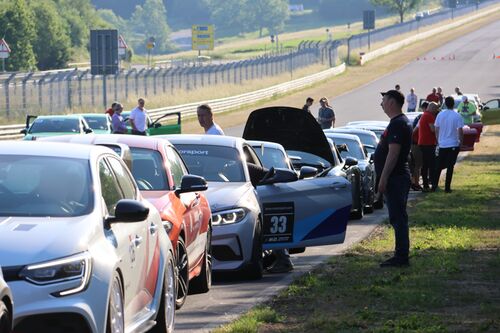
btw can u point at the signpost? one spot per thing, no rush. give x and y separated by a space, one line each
104 56
4 52
151 43
368 22
202 37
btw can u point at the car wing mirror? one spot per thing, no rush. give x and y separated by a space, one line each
350 161
307 172
24 131
129 211
278 175
192 183
89 130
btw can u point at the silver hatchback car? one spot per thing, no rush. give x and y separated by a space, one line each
80 248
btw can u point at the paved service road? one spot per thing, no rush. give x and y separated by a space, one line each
473 69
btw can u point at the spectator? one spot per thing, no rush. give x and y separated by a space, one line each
441 96
119 126
427 144
309 102
206 120
412 100
391 166
397 87
138 118
467 110
458 91
449 134
416 153
110 111
433 97
326 116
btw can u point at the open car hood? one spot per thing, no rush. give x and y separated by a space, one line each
291 127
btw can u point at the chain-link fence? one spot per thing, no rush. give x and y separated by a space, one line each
53 92
362 41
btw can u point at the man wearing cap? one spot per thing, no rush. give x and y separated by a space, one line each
467 110
393 173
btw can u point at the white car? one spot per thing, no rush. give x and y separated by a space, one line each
80 248
252 212
6 306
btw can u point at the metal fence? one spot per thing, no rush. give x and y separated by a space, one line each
362 41
55 91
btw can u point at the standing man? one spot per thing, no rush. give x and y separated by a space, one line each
412 100
427 143
326 116
449 134
309 102
433 96
138 118
393 172
467 110
206 120
458 91
441 96
119 126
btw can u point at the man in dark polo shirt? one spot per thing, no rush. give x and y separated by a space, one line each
393 173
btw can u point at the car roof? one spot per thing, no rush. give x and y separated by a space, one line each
266 144
349 130
59 116
343 136
52 149
204 139
135 141
100 115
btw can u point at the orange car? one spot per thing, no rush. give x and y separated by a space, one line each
163 179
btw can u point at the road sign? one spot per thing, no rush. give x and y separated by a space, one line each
4 49
368 19
202 37
122 46
151 43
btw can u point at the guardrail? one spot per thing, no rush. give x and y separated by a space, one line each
424 35
11 132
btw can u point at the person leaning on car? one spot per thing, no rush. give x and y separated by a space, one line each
393 172
119 126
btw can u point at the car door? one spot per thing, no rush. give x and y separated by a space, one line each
193 214
303 213
130 237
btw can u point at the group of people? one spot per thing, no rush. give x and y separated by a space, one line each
437 137
326 115
138 118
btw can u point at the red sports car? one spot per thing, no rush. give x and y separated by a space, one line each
164 180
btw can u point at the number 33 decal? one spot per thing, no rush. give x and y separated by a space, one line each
278 224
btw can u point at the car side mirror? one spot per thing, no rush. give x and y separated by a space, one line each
192 183
129 211
307 172
157 125
89 130
350 161
279 176
342 147
485 108
24 131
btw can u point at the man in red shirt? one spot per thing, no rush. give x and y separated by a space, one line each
427 143
433 97
111 110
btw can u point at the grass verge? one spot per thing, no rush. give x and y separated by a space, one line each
452 285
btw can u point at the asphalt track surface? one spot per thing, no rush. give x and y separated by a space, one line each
466 62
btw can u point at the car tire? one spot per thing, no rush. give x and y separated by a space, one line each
5 318
182 270
166 313
115 321
255 268
202 283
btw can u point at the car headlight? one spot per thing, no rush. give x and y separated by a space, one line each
75 268
228 216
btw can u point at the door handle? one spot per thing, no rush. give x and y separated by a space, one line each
153 228
137 241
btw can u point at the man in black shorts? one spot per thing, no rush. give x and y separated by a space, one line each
393 173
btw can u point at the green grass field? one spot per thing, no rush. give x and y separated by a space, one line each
452 285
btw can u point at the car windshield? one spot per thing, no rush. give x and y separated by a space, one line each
271 157
44 186
148 170
300 159
52 125
214 163
97 122
353 146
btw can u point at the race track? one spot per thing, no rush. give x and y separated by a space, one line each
466 62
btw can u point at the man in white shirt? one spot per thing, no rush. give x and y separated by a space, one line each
411 100
449 135
206 120
138 118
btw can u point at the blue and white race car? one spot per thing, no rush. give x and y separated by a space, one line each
253 211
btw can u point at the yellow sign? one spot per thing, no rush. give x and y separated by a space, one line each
202 37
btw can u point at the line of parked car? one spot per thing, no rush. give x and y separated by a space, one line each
111 233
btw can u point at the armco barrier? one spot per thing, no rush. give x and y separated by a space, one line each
397 45
218 105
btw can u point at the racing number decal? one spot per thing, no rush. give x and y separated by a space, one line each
278 222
